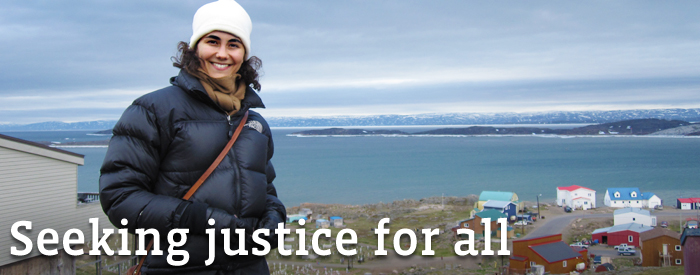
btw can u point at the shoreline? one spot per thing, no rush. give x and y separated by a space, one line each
487 135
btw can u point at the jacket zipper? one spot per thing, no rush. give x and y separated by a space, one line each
238 170
235 160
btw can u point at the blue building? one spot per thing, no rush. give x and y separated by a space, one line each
506 207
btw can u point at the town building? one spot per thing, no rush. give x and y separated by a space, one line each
650 200
476 225
295 218
506 207
510 232
623 197
576 197
661 247
631 197
688 203
556 256
322 223
486 196
690 245
40 184
306 212
336 221
633 215
620 234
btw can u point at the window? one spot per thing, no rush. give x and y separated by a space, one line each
564 263
533 263
466 225
634 194
630 238
589 194
678 248
617 194
634 219
678 261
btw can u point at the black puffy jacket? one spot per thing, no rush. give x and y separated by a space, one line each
162 144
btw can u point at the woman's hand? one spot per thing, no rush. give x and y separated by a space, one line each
269 221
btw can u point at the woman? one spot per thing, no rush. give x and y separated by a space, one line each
166 140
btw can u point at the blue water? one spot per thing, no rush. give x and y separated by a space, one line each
359 170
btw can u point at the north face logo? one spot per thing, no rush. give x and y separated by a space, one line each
255 125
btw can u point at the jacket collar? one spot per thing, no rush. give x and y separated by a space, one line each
192 85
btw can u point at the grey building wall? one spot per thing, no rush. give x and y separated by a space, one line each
39 184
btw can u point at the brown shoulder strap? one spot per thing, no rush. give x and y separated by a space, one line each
203 178
218 159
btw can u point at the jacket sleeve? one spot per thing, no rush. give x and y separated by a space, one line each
275 211
128 173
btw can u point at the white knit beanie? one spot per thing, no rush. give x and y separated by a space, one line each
223 15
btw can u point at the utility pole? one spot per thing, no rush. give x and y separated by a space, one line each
538 207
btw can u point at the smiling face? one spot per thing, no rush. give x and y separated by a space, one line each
221 54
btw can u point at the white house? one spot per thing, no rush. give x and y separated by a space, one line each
634 215
688 203
576 197
39 184
623 197
650 200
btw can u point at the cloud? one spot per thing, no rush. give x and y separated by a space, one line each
360 56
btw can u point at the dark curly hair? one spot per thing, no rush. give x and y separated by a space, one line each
188 60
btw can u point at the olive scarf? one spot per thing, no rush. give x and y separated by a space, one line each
226 91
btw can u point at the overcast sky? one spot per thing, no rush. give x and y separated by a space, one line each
88 60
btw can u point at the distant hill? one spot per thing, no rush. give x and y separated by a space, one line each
104 132
588 117
487 130
351 132
628 127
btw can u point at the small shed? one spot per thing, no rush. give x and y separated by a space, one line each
336 221
510 232
650 200
688 203
294 218
305 211
605 267
322 223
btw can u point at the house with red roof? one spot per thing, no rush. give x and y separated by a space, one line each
556 256
688 203
576 197
620 234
